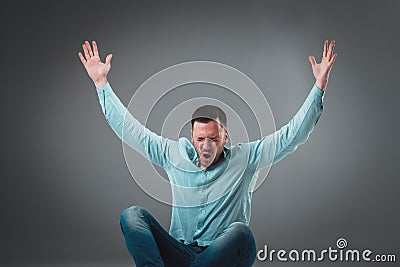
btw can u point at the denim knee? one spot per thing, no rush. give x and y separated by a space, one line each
130 215
240 228
242 233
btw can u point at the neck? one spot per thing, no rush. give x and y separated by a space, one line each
203 167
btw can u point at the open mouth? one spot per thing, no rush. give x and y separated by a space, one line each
206 155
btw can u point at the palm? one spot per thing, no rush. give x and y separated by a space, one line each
321 70
96 69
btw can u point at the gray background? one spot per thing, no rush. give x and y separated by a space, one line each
63 173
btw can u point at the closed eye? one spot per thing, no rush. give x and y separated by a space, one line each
214 139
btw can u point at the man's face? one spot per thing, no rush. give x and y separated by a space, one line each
208 139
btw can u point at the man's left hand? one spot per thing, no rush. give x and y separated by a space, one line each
321 70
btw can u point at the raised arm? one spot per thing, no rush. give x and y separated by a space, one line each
126 127
279 144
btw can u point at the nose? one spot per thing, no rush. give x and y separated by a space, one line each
207 143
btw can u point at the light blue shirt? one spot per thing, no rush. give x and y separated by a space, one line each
205 202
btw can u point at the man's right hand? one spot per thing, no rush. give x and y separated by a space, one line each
96 69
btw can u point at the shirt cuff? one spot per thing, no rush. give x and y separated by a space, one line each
316 91
104 90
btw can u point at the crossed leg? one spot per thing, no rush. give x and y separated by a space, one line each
150 245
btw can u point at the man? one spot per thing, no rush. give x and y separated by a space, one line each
207 231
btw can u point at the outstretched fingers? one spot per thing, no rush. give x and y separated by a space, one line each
85 50
82 58
89 48
324 54
330 51
312 60
108 59
95 50
332 60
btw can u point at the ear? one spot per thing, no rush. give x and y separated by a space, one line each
226 136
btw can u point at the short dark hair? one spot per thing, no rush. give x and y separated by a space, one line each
208 113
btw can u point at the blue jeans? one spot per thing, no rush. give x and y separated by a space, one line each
150 245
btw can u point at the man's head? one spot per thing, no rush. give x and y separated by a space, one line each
209 134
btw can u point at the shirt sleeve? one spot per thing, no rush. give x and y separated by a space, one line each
130 130
274 147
